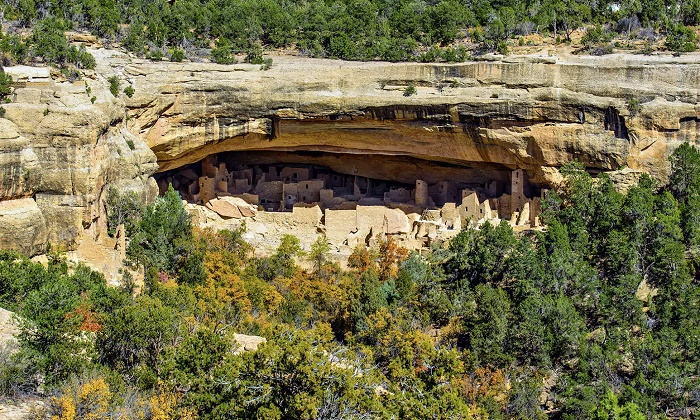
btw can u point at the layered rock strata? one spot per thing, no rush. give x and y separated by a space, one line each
59 148
528 112
59 151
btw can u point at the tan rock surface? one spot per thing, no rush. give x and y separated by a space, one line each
486 117
21 410
528 112
58 153
8 327
224 209
22 226
247 210
248 342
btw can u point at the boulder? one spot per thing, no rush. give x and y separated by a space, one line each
22 226
247 342
224 208
396 221
8 327
246 209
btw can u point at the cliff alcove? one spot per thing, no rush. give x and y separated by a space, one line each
374 174
354 198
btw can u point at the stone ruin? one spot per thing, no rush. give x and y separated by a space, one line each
352 209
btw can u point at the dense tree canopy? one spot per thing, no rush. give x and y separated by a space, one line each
595 316
395 30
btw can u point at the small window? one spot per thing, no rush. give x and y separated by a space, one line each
481 211
307 186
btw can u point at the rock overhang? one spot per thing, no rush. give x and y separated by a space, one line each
529 112
490 117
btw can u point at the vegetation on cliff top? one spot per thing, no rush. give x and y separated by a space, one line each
46 43
595 317
397 30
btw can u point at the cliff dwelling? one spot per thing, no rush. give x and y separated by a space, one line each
352 199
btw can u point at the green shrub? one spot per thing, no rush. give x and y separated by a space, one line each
254 54
49 42
129 91
18 375
86 60
222 52
134 40
681 39
502 48
267 64
5 84
430 56
13 47
163 235
410 90
596 35
71 73
81 58
177 55
122 208
155 54
114 85
633 106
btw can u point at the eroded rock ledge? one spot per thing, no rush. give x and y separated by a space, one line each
531 113
59 150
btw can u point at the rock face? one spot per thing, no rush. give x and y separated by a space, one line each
22 226
247 343
531 113
8 327
60 149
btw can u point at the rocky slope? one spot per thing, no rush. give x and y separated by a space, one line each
535 113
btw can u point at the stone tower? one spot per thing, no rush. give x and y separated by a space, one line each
422 198
517 194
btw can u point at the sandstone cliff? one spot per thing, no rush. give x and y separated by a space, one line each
529 112
58 150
